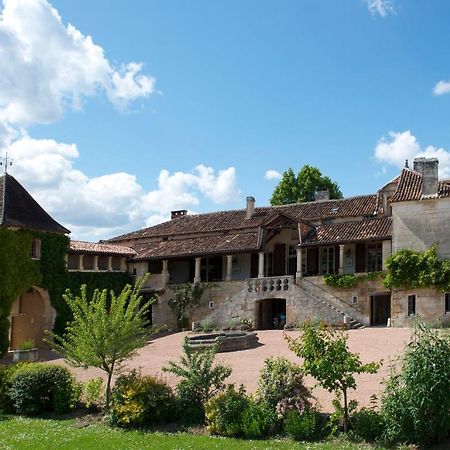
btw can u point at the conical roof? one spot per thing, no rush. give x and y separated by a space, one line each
19 209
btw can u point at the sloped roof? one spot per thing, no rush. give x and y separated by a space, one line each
196 246
347 232
410 187
100 248
235 220
19 209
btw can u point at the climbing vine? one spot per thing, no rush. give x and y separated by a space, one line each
411 269
347 281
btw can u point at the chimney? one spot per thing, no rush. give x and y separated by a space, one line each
322 195
178 213
428 168
250 210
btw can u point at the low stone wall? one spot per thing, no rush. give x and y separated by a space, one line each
231 341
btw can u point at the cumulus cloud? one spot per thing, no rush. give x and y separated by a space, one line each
272 175
441 87
103 206
400 146
380 7
47 66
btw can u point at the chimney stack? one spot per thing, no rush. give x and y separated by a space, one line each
322 195
178 213
250 210
428 168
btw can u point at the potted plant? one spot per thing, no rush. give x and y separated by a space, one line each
27 351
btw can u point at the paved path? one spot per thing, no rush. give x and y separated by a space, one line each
373 344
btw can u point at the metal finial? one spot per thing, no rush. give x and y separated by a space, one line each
6 162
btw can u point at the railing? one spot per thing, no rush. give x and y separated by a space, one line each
326 291
270 284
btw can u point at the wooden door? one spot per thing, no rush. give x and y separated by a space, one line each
279 259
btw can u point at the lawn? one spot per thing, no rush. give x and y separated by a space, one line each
23 433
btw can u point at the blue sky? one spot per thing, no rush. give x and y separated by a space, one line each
348 86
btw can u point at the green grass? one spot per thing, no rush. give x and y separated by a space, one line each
24 433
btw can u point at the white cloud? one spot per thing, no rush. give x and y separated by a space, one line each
272 175
47 66
107 205
441 87
400 146
380 7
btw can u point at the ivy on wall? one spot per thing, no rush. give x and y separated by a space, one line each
19 272
409 269
347 281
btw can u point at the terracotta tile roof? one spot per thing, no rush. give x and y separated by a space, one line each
19 209
100 248
410 187
340 233
196 246
235 220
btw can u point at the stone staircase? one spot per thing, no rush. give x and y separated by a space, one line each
340 306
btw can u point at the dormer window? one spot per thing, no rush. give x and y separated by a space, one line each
35 250
334 210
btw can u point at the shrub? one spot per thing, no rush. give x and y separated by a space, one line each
306 426
281 386
6 373
341 281
367 424
416 402
93 392
224 411
35 388
140 401
200 379
206 325
28 344
258 420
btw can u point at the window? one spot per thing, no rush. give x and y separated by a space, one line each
35 251
292 260
326 258
374 257
211 304
411 305
268 264
447 302
355 299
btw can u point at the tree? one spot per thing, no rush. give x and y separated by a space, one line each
292 189
327 358
105 331
186 299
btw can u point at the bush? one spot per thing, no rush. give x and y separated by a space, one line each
281 386
93 394
35 388
306 426
367 424
416 402
200 380
140 401
6 373
224 411
258 420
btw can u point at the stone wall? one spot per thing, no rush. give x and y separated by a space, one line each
420 224
430 307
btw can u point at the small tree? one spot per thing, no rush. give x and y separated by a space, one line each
105 331
327 358
200 380
186 299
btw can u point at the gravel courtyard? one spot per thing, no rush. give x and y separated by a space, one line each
373 344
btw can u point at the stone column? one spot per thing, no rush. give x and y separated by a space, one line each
165 275
261 265
386 251
341 258
109 264
96 262
80 262
197 277
229 267
299 273
123 264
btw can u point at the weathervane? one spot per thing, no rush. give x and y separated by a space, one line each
6 161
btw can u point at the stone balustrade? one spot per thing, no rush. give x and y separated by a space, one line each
270 284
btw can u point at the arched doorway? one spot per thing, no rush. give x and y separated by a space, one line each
28 319
271 314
